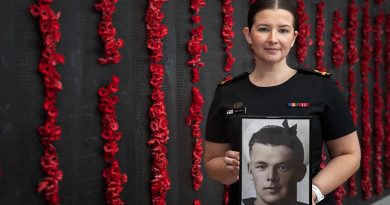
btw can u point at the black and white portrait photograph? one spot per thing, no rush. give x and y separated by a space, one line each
275 161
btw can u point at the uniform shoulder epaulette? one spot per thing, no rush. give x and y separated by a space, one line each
323 73
231 79
317 72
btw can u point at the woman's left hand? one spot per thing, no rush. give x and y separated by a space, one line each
313 197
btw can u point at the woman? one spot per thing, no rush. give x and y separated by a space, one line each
269 90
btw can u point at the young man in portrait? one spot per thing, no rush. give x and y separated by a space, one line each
276 165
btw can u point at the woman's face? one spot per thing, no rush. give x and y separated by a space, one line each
272 35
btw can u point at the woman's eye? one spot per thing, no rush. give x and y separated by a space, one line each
284 31
263 29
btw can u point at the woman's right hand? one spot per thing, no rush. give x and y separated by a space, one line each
221 163
232 162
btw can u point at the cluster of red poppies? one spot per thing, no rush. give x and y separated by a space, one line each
50 131
195 46
195 117
107 32
352 58
227 36
366 182
303 39
338 33
387 127
378 104
340 192
226 195
112 175
156 31
197 202
379 1
320 43
227 33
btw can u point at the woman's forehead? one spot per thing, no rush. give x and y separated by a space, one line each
274 17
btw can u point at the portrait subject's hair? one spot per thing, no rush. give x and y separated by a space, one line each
260 5
276 135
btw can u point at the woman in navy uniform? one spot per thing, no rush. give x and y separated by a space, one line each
275 89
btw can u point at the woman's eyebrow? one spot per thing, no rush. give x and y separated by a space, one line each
280 26
262 24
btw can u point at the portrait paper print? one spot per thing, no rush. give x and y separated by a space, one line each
275 160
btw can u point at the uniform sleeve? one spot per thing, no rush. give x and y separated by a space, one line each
337 119
216 122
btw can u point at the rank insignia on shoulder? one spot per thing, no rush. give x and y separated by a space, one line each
323 73
229 79
315 72
298 104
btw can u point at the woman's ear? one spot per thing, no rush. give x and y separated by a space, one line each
246 32
295 37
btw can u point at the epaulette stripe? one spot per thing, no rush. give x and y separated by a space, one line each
228 80
323 73
315 72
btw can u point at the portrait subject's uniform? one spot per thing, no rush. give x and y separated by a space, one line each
251 201
307 93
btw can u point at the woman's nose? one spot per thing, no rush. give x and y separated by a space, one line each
273 37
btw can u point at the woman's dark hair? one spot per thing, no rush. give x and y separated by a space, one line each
276 135
260 5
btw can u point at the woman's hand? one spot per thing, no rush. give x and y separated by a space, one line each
221 163
313 198
232 162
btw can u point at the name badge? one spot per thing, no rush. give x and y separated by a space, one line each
238 111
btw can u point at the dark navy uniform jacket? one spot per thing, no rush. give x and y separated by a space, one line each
325 105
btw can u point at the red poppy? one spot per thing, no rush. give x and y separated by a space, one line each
387 101
378 104
303 39
50 132
226 195
337 34
160 183
107 32
366 182
353 58
197 202
227 33
113 177
379 1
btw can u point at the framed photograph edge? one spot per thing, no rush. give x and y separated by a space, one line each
242 117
